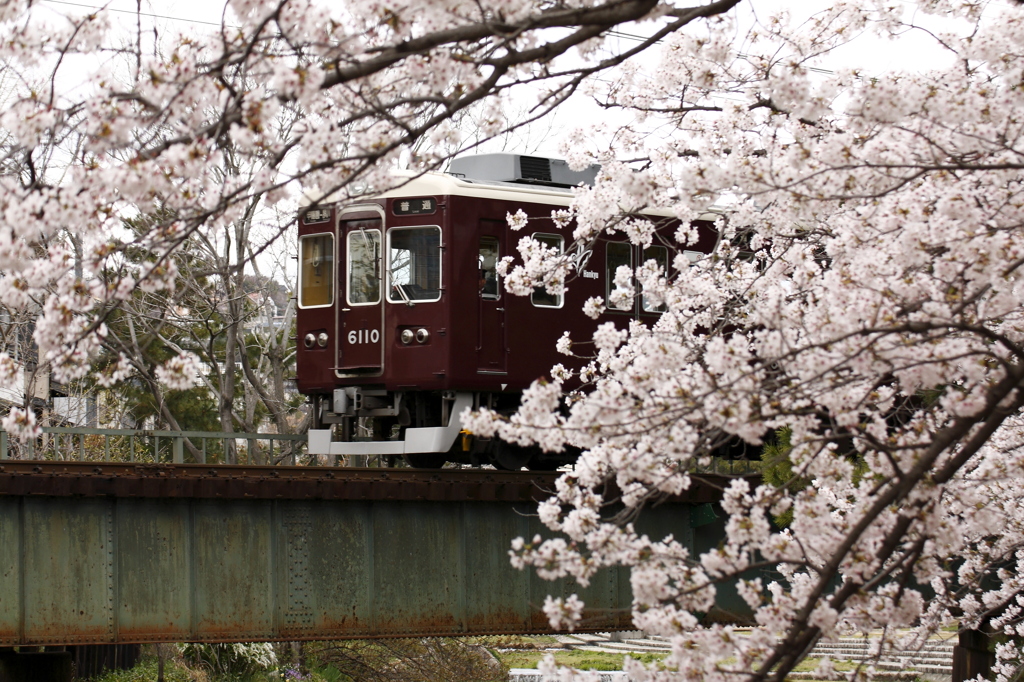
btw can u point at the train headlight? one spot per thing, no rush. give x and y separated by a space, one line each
407 336
309 340
322 339
422 335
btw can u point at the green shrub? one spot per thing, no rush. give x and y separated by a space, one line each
234 659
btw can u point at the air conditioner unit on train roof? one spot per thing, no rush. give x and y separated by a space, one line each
529 170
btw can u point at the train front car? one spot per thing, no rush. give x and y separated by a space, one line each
403 321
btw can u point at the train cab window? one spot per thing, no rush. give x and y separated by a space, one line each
616 254
658 254
487 264
316 271
414 264
540 297
363 247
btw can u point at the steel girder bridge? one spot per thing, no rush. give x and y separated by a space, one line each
101 553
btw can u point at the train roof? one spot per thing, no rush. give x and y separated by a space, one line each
409 183
527 188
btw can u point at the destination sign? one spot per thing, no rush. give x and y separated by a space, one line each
414 206
317 215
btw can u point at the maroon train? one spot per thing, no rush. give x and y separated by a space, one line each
403 322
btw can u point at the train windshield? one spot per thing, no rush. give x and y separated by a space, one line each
316 271
363 259
414 264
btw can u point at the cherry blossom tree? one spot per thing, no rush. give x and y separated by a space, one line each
862 308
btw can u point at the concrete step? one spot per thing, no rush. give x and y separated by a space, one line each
849 646
880 676
939 667
614 648
846 647
937 646
530 675
837 653
933 660
862 653
625 647
662 644
924 666
896 659
582 637
894 655
862 656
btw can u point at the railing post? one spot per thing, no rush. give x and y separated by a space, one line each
3 445
251 445
179 455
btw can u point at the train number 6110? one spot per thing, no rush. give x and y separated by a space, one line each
364 336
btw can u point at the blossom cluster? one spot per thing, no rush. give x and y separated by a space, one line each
862 315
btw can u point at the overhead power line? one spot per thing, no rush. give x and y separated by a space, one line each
131 11
616 34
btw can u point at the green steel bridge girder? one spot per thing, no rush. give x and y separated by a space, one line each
78 570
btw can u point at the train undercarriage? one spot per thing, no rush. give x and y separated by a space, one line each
421 427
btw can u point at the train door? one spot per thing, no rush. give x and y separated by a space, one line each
625 254
492 338
361 305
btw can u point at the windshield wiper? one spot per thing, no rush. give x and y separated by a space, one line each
400 289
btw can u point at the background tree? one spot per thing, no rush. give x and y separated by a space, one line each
227 321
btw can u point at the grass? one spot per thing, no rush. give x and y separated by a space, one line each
513 651
174 671
581 660
146 671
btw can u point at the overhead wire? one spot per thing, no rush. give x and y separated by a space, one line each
130 11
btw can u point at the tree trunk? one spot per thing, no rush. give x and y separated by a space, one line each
974 655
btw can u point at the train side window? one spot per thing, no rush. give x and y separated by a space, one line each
616 255
414 264
658 254
540 297
316 273
363 248
487 264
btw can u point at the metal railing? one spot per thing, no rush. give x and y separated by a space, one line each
729 467
155 447
81 444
